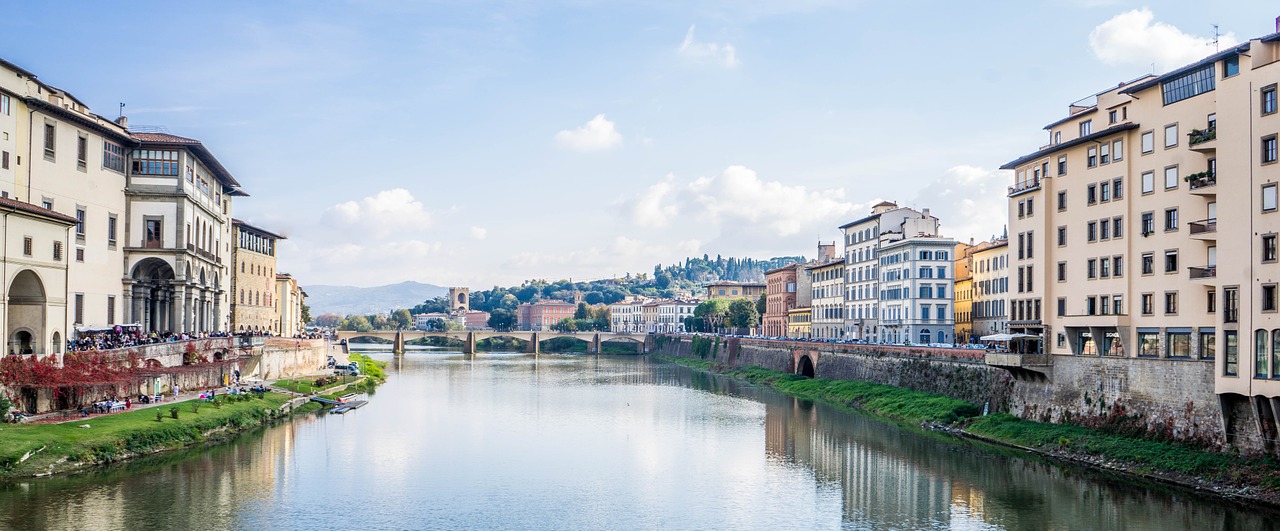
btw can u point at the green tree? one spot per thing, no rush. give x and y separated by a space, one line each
436 305
329 320
712 313
401 319
435 324
502 320
565 325
743 314
762 303
306 314
357 323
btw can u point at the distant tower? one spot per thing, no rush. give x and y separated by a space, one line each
459 299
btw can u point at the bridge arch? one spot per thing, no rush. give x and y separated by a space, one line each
805 367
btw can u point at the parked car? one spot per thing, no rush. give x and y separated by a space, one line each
352 369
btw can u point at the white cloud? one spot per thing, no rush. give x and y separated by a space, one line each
596 135
708 52
649 210
1133 39
969 201
385 213
739 196
479 233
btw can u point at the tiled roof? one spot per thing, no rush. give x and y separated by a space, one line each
200 150
36 210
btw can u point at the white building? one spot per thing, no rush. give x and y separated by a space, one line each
916 285
863 239
671 314
627 316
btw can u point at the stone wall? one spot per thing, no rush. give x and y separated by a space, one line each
1165 397
306 356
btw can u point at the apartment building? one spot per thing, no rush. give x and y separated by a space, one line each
626 316
863 239
963 294
1116 222
254 283
916 288
540 315
289 300
989 269
827 306
735 290
780 298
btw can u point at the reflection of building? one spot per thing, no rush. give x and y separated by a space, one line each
254 281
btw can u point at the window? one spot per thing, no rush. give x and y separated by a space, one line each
1031 206
79 308
1148 182
1091 196
1170 302
1062 271
79 254
1269 198
1091 306
1211 301
1170 177
1117 266
1086 127
1092 231
1148 343
1268 247
1104 231
1062 165
1117 227
112 156
1148 141
111 309
1260 343
1170 135
80 222
1030 244
1171 261
1092 268
1269 99
1092 159
82 152
1111 116
26 246
1148 306
5 108
1230 66
1231 305
1022 209
1170 219
1208 344
1269 149
1104 191
1180 344
1275 353
1231 365
1104 268
1268 297
1117 188
1148 223
1062 236
155 162
1190 84
57 251
50 141
1148 263
4 160
112 222
1104 153
1117 150
154 236
1062 201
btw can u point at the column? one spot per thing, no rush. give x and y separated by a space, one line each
217 312
162 310
126 309
177 309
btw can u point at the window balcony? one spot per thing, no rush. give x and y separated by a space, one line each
1205 229
1202 183
1023 187
1203 273
1203 140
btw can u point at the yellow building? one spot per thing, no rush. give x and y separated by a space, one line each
253 307
289 301
735 290
798 322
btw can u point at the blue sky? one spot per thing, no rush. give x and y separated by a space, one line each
483 143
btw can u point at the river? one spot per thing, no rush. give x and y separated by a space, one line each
510 441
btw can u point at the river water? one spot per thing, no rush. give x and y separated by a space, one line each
510 441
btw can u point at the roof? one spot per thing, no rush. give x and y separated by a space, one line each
1090 110
792 265
820 265
38 211
863 220
1068 144
736 283
1156 80
201 152
258 230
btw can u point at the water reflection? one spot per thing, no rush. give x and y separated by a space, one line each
519 441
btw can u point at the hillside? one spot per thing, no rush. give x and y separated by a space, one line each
345 300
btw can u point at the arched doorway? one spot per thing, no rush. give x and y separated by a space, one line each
805 367
27 314
154 297
924 335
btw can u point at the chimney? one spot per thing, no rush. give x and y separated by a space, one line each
123 121
925 213
1277 24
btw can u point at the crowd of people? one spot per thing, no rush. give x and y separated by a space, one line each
125 336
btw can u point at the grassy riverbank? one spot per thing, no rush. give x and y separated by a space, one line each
41 449
1229 475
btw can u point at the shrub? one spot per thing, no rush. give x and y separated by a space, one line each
195 406
173 412
159 415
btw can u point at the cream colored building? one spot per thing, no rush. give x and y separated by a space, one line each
863 239
827 296
989 268
288 301
626 316
254 283
1114 225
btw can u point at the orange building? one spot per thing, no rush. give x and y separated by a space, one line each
542 314
780 297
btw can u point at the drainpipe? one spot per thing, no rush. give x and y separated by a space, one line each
4 277
66 279
31 123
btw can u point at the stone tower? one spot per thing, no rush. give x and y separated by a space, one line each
459 299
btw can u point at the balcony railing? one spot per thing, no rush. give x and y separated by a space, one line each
1200 136
1017 188
1198 273
1204 226
1203 179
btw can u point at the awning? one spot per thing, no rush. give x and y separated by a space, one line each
1008 337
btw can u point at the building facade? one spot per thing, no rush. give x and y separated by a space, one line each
827 306
735 290
541 315
254 284
915 293
289 301
780 289
989 266
626 316
863 239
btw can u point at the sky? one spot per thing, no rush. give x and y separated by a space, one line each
477 143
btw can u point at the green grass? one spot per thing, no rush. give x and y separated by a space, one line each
369 367
111 437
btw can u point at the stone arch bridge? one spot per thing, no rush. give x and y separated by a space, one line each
470 337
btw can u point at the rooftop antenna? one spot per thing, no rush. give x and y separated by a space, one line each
121 110
1215 37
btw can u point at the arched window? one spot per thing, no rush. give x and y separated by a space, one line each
241 295
924 335
1275 353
